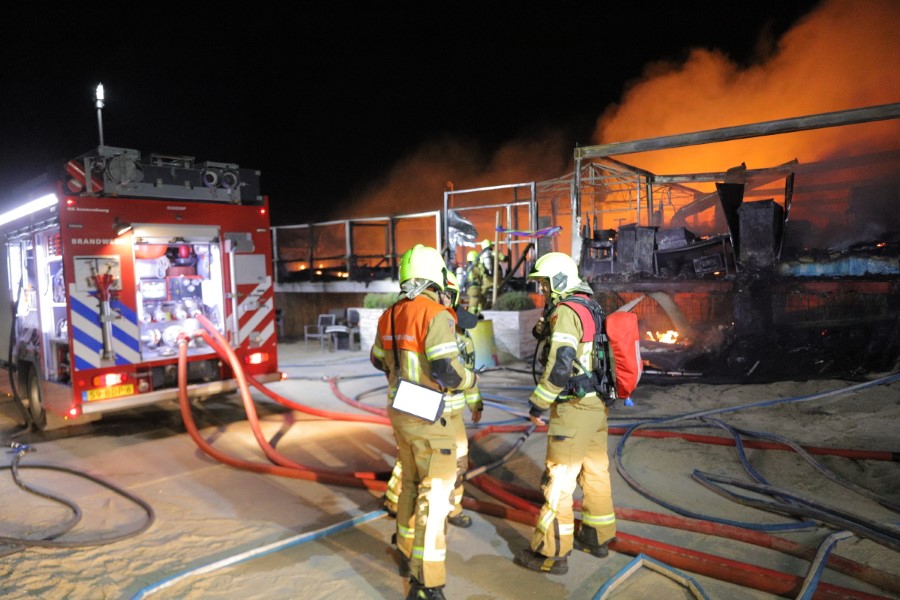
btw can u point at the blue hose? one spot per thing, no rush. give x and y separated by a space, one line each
260 551
811 582
642 560
696 415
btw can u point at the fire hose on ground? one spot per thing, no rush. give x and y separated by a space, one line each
876 577
52 539
528 515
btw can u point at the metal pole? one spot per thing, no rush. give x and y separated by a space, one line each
724 134
496 260
575 245
100 96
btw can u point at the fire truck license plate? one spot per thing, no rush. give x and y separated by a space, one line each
110 392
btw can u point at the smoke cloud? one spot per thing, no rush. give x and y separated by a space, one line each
417 183
842 55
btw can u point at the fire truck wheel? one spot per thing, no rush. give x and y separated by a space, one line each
33 403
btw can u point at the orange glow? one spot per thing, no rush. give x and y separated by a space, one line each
841 56
669 337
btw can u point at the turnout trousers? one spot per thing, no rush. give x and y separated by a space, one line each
395 483
576 455
427 452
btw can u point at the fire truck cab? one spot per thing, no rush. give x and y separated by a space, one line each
113 256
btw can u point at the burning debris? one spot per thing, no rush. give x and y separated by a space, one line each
751 303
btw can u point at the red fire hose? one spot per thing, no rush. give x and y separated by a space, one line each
523 511
296 472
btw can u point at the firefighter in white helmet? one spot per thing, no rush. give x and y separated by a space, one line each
416 342
577 431
454 404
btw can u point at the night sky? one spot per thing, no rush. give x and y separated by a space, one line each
324 98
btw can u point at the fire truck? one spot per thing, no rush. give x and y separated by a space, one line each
108 259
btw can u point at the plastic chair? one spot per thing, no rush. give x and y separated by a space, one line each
317 331
353 327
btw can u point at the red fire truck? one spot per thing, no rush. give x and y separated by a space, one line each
109 260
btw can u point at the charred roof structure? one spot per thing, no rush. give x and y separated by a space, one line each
780 272
743 273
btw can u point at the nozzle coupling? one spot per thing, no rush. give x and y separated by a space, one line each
20 448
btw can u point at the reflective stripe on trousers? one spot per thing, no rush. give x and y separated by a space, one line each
576 455
428 454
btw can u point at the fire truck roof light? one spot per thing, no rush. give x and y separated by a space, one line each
28 208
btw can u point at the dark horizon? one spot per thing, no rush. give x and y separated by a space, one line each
326 106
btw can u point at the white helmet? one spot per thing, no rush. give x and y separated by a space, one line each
560 270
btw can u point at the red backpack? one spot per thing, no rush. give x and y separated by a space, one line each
617 364
625 344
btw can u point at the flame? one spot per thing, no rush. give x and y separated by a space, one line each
668 337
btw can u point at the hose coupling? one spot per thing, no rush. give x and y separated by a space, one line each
21 448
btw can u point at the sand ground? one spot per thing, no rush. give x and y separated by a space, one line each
224 532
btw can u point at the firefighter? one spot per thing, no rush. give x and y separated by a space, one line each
454 403
576 435
416 342
475 283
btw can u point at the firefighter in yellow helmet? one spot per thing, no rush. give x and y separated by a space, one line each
416 342
454 403
475 279
577 432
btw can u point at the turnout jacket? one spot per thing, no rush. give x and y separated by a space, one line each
565 333
471 397
424 332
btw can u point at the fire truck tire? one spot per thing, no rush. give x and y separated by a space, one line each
33 402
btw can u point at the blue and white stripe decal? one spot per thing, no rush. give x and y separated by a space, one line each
87 335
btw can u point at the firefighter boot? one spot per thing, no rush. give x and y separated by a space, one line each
417 591
586 540
543 564
391 508
461 520
403 567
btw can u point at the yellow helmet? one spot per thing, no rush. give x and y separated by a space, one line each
559 269
471 256
423 262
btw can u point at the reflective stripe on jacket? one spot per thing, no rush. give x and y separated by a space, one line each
425 335
566 332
